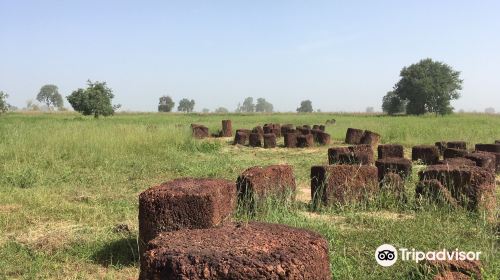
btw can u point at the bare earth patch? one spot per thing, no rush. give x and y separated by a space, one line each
337 220
388 215
8 208
303 193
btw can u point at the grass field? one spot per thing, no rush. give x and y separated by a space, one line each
67 181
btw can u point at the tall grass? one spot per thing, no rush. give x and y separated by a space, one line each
67 181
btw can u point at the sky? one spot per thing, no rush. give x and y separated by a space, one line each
341 55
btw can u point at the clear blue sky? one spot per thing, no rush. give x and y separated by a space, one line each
342 55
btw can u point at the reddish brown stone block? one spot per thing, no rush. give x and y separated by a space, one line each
459 161
241 138
199 131
255 140
184 203
269 140
261 181
370 138
227 128
455 269
428 154
238 251
484 159
343 184
457 145
286 128
304 141
322 138
390 151
400 166
358 154
291 139
453 153
354 136
470 186
258 129
493 148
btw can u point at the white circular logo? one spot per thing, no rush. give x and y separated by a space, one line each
386 255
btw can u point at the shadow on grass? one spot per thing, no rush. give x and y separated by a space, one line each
118 253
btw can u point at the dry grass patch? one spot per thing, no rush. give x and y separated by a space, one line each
48 237
340 221
387 215
8 208
303 193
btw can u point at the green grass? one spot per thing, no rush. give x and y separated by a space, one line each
66 181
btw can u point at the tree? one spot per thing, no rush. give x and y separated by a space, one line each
185 105
305 107
489 110
221 110
32 106
166 104
248 106
49 94
392 104
4 107
370 110
428 86
94 100
263 106
205 110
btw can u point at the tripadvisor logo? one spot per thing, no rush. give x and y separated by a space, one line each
387 255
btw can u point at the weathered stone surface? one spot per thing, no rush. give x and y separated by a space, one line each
272 128
357 154
238 251
457 145
471 187
390 151
304 141
428 154
258 129
484 159
269 140
322 138
354 136
453 153
343 184
184 203
337 154
241 136
255 140
262 181
227 128
400 166
303 130
455 269
286 128
291 139
370 138
494 148
458 161
199 131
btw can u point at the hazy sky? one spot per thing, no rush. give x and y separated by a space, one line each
342 55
